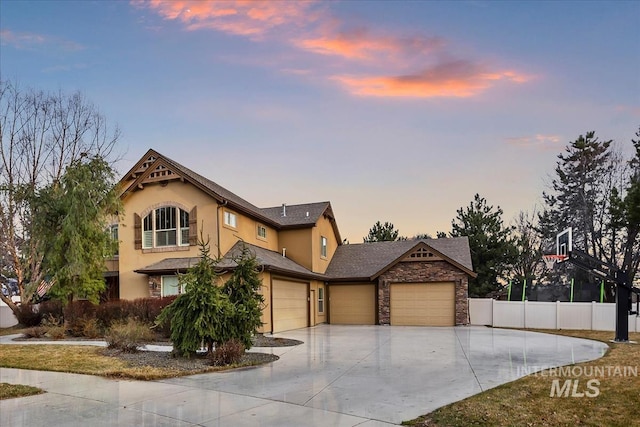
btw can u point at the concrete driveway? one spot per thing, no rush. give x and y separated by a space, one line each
341 376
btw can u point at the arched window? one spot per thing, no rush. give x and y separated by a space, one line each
165 226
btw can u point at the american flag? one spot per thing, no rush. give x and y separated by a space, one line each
44 287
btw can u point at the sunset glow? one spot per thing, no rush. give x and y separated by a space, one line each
394 111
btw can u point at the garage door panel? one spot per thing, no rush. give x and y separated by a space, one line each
290 305
423 304
352 304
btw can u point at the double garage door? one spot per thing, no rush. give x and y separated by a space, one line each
411 304
290 305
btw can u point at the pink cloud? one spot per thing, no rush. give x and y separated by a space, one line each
21 40
245 18
361 44
389 64
457 79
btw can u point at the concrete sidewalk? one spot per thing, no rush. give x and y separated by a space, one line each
341 376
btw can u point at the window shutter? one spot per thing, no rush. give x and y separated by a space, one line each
137 231
193 226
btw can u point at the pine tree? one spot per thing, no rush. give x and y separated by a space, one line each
243 290
492 251
201 314
381 233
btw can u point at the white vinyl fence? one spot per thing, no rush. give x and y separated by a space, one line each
7 318
546 315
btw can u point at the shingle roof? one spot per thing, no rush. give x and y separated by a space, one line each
295 215
303 215
218 190
367 260
269 260
169 265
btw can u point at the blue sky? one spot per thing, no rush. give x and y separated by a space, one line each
393 111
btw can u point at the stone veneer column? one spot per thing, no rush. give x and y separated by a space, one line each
462 301
155 286
384 302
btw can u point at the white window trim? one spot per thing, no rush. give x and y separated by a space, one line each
149 237
321 300
261 227
180 287
229 218
323 247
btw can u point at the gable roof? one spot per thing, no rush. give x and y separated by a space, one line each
303 215
366 261
296 214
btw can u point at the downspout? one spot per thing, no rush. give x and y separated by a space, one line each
220 205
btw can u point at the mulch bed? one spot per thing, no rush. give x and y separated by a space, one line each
164 359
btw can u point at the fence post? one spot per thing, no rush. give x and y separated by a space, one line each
493 309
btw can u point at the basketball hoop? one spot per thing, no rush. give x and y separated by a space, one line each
551 259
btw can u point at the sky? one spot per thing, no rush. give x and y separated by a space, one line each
394 111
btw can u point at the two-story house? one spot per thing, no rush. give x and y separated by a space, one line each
308 275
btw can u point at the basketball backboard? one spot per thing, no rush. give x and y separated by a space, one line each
564 243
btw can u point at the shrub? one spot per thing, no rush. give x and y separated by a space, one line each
228 353
52 312
75 315
50 320
110 312
56 332
34 332
128 336
28 315
90 328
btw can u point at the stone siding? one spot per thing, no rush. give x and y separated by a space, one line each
155 286
423 272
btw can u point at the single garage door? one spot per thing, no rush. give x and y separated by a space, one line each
423 304
290 305
352 304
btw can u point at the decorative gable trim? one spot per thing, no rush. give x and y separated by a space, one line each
414 249
423 253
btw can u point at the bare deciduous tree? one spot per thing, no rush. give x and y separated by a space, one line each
40 134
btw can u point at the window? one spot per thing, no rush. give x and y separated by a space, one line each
160 228
166 226
113 232
262 231
171 286
323 246
320 300
230 219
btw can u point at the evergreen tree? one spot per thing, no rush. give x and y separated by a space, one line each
492 250
625 215
579 196
243 290
381 233
71 227
201 314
